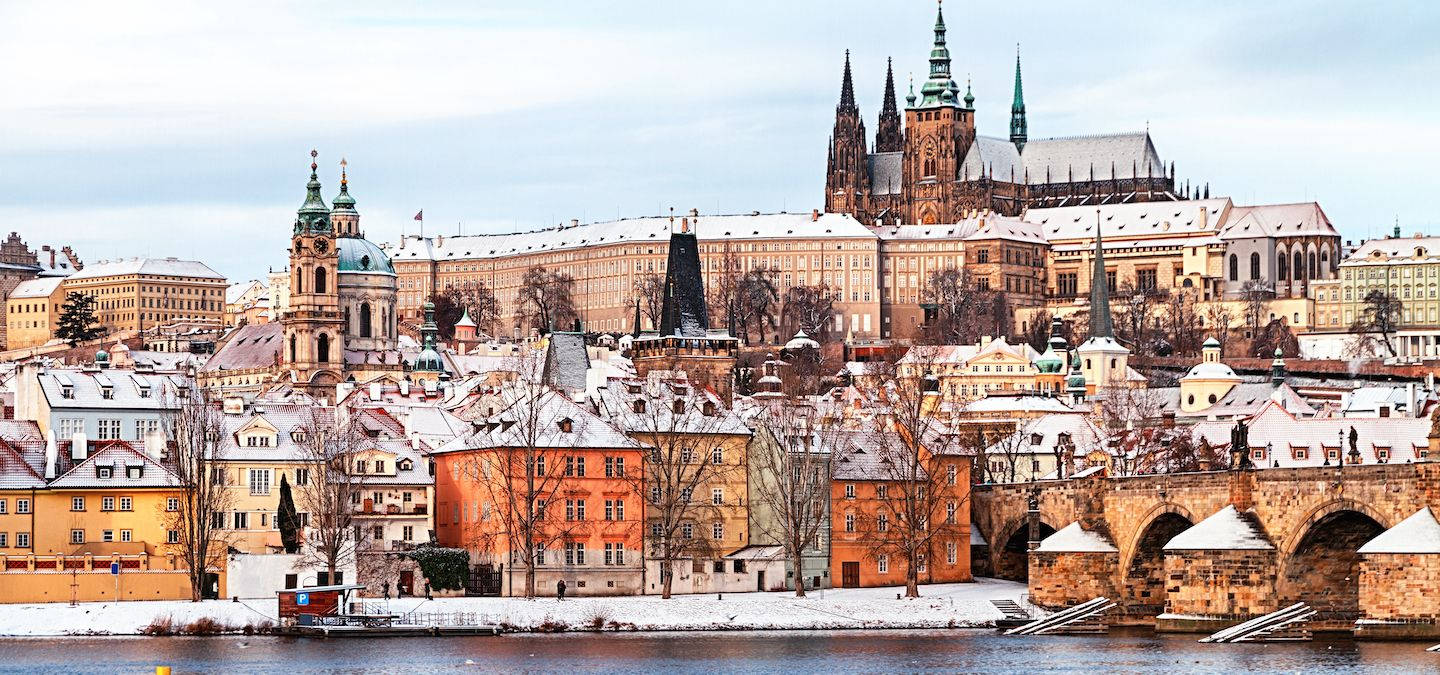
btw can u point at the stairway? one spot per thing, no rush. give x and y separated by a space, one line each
1086 617
1014 614
1284 625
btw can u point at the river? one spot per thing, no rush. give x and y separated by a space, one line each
968 651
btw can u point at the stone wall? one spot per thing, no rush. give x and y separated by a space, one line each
1229 585
1067 579
1400 588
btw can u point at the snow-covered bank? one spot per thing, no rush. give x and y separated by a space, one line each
941 606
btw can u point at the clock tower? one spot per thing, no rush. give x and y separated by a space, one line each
314 332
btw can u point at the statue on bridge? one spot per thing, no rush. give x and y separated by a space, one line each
1240 446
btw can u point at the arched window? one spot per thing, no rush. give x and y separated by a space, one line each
320 280
322 348
364 319
1313 267
292 347
1282 266
299 287
1299 268
1234 267
1254 265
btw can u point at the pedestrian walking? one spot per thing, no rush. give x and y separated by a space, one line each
560 589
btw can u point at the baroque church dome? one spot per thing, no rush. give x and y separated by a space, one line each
363 256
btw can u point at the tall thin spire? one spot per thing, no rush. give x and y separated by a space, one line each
847 88
888 135
1101 325
313 215
1018 127
939 89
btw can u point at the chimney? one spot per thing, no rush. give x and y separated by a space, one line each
574 222
52 455
155 444
79 446
1204 218
814 215
1410 402
404 387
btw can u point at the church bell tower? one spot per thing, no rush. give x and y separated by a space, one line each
314 344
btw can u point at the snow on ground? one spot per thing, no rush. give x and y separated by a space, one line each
940 606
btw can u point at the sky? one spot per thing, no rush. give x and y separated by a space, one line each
184 129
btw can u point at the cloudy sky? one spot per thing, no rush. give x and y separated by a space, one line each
184 129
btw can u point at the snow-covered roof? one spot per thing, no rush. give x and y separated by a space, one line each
126 389
1020 403
1213 370
537 418
1401 251
1074 539
885 170
649 230
1132 220
1305 219
42 287
1104 345
165 267
1417 534
617 400
118 456
1282 434
1083 434
1228 530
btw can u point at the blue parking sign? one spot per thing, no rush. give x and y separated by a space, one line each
302 598
114 568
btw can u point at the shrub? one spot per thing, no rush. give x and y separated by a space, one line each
160 625
447 569
204 626
598 617
550 625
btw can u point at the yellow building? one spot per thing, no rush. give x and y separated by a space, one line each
1406 269
137 293
969 372
261 444
32 312
1208 381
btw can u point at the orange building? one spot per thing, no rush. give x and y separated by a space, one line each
868 517
581 473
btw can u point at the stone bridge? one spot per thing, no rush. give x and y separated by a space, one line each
1308 524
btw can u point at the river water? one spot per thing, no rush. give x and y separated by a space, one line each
967 651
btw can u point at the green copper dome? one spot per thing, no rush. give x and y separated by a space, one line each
429 359
359 255
1050 362
314 215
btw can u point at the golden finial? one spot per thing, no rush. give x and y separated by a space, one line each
342 170
313 155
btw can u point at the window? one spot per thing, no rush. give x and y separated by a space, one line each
1235 267
77 503
104 472
4 540
950 513
172 536
574 509
882 564
654 494
22 540
1067 284
685 495
107 535
126 504
575 466
109 430
849 522
574 553
125 535
717 530
614 553
539 466
717 456
687 530
849 490
951 473
217 520
1254 265
77 536
302 477
242 520
172 503
259 481
717 496
951 552
882 523
134 471
3 510
882 491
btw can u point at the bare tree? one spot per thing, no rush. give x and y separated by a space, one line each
1137 319
725 289
811 309
531 436
1380 315
474 297
1182 322
1255 299
1220 319
685 432
546 300
756 301
331 443
195 428
650 291
964 308
790 457
919 461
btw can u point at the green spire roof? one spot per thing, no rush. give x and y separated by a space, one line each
313 215
969 97
343 201
1019 129
939 90
429 359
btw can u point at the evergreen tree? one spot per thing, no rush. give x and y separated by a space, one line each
286 518
77 319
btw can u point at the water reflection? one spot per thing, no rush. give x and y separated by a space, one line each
764 652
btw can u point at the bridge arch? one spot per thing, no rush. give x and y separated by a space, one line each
1142 562
1011 552
1319 564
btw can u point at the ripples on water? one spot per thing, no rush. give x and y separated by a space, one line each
762 652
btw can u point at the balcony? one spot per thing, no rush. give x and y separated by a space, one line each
369 508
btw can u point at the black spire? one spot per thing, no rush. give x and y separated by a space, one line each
684 313
1100 321
888 136
636 332
847 88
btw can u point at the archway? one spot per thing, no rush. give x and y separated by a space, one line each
1142 588
1012 561
1322 568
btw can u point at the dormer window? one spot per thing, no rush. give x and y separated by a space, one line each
107 392
104 472
379 466
67 392
404 465
1036 439
361 466
708 409
633 388
297 436
678 407
638 405
134 472
567 425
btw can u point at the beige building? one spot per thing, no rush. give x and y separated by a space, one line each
139 293
32 312
1405 268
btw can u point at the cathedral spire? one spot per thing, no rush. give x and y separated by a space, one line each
847 88
313 215
1101 325
1018 127
888 136
939 89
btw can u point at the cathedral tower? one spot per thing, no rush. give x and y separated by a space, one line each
343 216
888 135
1018 128
314 346
846 178
939 131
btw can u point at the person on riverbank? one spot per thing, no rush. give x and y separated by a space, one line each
560 590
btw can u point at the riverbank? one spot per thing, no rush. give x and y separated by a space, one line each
940 606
